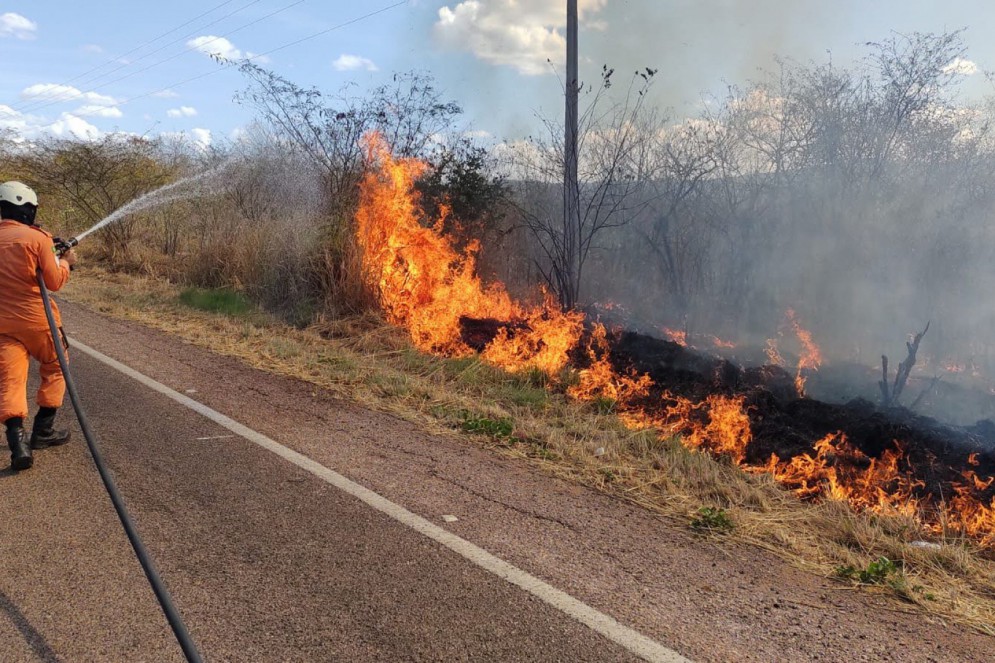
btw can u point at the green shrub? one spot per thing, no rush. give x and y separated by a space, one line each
498 428
878 572
219 300
712 519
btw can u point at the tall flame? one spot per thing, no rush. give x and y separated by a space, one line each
426 286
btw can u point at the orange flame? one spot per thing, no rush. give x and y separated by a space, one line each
727 431
600 380
425 285
719 343
678 336
610 306
843 472
773 356
811 355
965 513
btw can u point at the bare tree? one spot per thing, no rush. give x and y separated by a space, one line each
685 158
97 177
409 113
611 172
915 73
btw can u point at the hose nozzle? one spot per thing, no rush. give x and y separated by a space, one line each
62 246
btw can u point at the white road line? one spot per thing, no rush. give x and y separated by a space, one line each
635 642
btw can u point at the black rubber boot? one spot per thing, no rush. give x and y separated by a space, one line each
20 450
43 433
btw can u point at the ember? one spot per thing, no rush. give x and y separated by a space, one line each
678 336
719 343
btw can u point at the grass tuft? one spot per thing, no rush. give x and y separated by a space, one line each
878 572
712 519
217 300
497 428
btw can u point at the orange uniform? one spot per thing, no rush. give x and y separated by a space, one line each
24 329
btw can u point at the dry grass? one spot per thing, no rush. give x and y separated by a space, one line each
368 362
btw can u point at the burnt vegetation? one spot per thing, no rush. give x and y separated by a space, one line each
933 455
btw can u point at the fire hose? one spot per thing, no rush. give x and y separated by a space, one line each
161 593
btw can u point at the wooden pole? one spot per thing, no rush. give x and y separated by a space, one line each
571 191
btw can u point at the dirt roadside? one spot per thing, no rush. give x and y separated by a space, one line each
709 599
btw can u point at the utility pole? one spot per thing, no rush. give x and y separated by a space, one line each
571 190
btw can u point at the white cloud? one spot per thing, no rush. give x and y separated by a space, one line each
71 126
17 26
526 36
961 66
211 45
93 48
166 94
182 111
347 62
62 93
221 47
26 127
98 111
201 136
11 119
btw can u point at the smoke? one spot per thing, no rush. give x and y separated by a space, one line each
858 196
826 183
825 191
699 46
507 53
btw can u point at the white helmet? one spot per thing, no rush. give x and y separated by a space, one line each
18 194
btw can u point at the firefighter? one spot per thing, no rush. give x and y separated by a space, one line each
26 249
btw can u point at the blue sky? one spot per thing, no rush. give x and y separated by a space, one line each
127 69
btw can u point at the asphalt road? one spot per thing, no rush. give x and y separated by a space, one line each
265 562
269 561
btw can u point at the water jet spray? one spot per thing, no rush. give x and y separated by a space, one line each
169 193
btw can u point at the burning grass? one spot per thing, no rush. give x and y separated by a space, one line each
425 285
374 364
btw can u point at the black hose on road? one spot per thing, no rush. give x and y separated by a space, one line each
161 593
